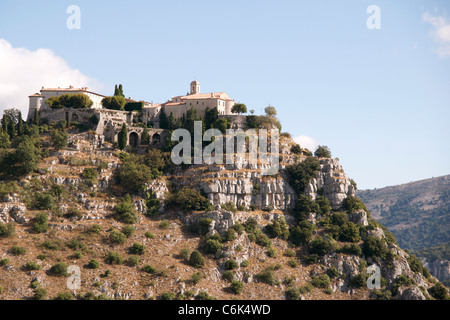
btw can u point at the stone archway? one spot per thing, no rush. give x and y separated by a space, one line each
75 117
156 138
134 139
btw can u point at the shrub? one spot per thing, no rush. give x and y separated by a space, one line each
50 245
90 176
4 262
292 263
203 295
196 277
228 275
230 265
149 235
95 229
324 205
190 200
271 252
149 269
125 211
229 206
114 102
302 233
7 230
352 249
320 246
213 246
262 239
128 231
349 232
31 265
73 213
185 254
196 259
304 205
93 264
39 294
278 228
322 281
75 244
312 258
117 237
230 235
244 264
293 294
43 201
358 281
374 247
168 296
17 251
352 204
40 224
301 173
59 269
267 276
322 152
59 139
137 248
133 175
332 272
113 258
438 291
133 261
64 296
237 287
239 228
165 224
251 225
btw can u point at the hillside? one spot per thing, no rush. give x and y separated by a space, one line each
417 212
138 227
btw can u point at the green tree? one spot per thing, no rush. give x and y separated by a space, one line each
59 139
270 111
322 152
196 259
80 100
4 140
20 125
145 137
123 137
239 108
163 119
114 102
125 211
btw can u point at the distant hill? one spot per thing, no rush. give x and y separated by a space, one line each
418 213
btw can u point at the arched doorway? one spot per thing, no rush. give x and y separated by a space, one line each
134 139
75 118
156 138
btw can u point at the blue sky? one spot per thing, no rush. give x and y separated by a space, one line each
380 99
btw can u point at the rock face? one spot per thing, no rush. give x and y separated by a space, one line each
13 211
410 293
439 268
244 185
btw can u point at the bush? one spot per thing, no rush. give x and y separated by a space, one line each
149 235
165 224
31 265
17 251
230 235
59 269
114 102
352 204
185 254
202 295
374 247
312 258
278 229
133 261
293 294
50 245
43 201
113 258
7 230
324 205
271 252
95 229
320 246
64 296
196 278
332 272
230 265
228 275
93 264
302 233
117 237
125 211
351 249
237 287
349 232
128 231
229 206
73 213
149 269
90 176
292 263
267 276
244 264
190 200
137 248
59 139
196 259
359 281
213 246
40 224
438 291
289 253
322 152
322 281
133 175
304 205
300 174
40 294
168 296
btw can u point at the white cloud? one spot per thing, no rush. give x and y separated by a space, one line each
440 33
306 142
23 72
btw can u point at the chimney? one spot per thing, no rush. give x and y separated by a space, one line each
70 87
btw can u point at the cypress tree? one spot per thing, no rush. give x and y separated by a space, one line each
116 91
20 125
5 124
121 91
163 120
11 128
122 138
36 117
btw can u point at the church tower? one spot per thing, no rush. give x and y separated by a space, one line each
195 87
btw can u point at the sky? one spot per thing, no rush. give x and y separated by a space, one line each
379 98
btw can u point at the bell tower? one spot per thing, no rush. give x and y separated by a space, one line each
195 87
